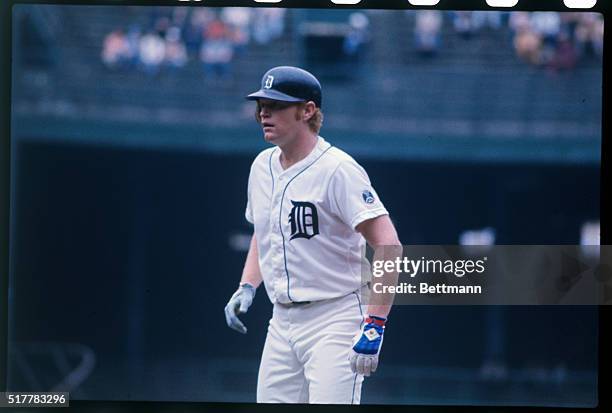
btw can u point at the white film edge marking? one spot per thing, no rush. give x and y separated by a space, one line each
502 3
579 4
423 2
572 4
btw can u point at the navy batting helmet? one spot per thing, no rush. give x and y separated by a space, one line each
289 84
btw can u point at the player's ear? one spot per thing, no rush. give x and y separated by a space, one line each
309 110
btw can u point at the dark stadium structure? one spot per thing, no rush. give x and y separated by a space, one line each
128 195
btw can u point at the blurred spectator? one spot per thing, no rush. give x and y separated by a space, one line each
491 19
268 24
133 41
151 52
569 22
161 26
193 35
179 17
462 23
427 32
237 20
589 34
565 53
357 36
157 13
547 25
217 51
597 35
519 20
116 51
195 29
176 53
202 16
527 45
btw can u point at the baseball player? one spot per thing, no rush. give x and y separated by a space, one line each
313 208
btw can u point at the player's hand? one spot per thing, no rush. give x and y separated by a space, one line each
239 304
366 347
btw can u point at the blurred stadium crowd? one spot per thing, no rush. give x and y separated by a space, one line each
175 36
449 74
557 40
550 39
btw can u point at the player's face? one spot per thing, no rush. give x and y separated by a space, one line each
279 120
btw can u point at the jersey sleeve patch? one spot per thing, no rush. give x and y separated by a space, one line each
353 198
368 197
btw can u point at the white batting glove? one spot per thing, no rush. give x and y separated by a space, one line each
239 303
366 346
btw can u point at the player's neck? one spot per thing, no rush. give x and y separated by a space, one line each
297 150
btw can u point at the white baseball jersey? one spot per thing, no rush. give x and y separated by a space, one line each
305 219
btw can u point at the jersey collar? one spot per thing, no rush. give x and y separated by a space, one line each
319 148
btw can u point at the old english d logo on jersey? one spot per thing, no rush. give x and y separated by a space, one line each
304 220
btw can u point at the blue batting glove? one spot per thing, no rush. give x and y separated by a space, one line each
366 347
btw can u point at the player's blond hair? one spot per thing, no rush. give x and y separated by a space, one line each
314 123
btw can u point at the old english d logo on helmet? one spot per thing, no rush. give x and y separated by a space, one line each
269 82
288 84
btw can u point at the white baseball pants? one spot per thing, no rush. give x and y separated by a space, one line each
306 354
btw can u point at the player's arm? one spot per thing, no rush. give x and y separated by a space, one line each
242 299
355 201
251 273
380 233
